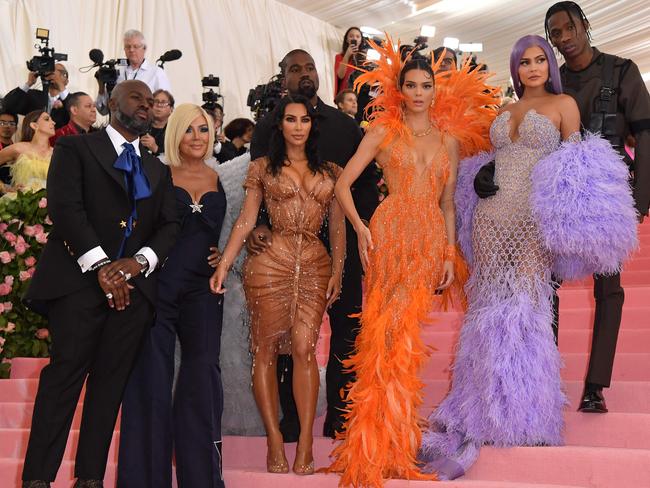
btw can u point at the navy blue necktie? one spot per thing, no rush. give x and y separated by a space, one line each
137 186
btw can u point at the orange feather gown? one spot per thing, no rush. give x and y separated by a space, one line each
381 435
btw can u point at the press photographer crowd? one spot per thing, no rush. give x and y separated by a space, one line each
176 264
76 112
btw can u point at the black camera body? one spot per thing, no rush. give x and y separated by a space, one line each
210 97
44 64
263 98
108 73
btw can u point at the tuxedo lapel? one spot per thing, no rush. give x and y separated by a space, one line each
101 147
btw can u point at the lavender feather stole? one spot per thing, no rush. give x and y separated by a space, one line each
466 199
582 201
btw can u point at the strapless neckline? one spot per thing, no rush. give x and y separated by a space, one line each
530 112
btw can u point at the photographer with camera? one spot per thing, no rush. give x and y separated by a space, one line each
138 68
24 99
352 54
163 106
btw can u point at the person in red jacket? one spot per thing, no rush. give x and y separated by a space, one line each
83 115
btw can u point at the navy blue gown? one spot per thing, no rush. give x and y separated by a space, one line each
154 424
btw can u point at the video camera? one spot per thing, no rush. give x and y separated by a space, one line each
263 98
107 72
419 44
210 97
44 64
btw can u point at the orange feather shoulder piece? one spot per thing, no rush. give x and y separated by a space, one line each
464 104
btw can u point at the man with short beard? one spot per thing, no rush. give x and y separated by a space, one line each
114 221
339 136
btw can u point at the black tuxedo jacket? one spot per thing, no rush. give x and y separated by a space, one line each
19 102
88 204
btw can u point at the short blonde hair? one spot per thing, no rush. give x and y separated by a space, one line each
180 119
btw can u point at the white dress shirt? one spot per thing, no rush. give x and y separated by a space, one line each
97 254
154 76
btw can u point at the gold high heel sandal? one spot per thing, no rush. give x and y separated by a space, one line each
304 469
275 466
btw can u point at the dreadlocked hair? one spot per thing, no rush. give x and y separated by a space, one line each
572 9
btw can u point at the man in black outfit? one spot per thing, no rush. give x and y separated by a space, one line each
23 99
614 102
339 137
114 214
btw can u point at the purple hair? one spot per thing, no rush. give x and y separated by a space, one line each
554 84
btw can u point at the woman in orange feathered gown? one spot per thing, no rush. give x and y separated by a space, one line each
420 127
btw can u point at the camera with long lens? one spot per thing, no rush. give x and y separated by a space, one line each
43 65
107 72
210 97
263 98
415 49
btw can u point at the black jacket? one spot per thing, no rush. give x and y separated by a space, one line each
87 200
19 102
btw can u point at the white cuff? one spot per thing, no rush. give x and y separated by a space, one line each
91 257
148 253
25 87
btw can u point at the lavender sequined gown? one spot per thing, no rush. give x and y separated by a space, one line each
506 387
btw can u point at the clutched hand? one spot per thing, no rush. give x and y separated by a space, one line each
217 279
484 181
364 243
259 240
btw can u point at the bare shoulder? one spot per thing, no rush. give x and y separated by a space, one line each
375 134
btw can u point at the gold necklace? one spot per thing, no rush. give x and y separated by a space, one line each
422 134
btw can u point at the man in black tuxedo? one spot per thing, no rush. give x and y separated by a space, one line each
114 215
23 99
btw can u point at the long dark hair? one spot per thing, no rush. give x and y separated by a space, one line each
27 133
346 44
277 146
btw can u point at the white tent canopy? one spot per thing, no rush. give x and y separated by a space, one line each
242 41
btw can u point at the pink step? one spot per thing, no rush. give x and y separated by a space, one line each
627 366
571 298
623 396
259 478
622 430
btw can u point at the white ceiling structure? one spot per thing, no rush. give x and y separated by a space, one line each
620 27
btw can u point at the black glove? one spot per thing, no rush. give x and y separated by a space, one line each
484 181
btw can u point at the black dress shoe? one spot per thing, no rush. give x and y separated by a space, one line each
593 401
89 484
36 484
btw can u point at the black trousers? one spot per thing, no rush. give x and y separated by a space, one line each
344 334
89 341
609 296
153 425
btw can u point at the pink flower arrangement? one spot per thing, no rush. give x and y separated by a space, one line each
24 275
42 203
42 333
10 237
9 280
5 289
3 227
30 261
42 237
5 257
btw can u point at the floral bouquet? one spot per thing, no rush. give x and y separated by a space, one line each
24 227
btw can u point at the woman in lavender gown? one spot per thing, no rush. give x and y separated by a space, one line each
506 387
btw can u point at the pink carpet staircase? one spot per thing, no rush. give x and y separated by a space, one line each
602 451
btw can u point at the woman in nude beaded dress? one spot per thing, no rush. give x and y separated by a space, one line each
506 386
289 287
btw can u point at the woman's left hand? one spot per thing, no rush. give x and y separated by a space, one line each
215 257
447 276
333 290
